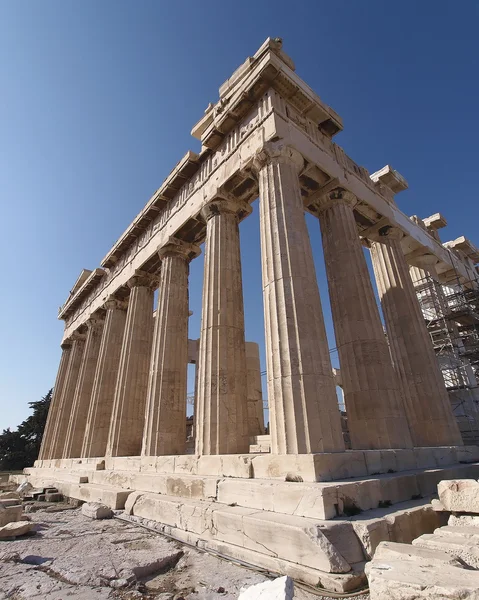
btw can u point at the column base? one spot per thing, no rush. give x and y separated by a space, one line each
324 466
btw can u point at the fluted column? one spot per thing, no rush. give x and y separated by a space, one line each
303 408
255 392
46 446
165 422
66 400
128 415
375 409
106 373
222 408
427 404
83 390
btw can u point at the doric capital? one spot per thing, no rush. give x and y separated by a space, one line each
113 303
334 197
76 336
384 234
228 205
177 247
143 279
96 321
277 152
66 345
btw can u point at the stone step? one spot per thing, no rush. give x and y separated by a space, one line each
469 533
114 497
322 500
455 545
425 556
395 578
52 476
327 546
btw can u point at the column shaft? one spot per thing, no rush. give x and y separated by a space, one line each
303 409
255 393
66 400
101 404
165 424
376 415
222 409
83 391
45 449
427 404
128 415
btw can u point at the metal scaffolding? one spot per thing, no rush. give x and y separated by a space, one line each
451 313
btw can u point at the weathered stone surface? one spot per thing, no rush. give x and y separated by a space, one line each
10 514
398 579
281 588
422 556
15 529
463 520
96 510
10 496
456 545
459 495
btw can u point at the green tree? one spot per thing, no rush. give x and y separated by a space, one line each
20 448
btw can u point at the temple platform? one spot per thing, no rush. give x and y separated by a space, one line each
247 507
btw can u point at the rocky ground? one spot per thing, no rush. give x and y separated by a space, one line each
72 556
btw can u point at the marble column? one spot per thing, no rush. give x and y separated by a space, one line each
106 373
375 408
427 404
68 392
303 408
128 415
45 449
255 392
84 387
165 422
221 420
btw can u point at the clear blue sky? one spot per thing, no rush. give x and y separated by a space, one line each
98 98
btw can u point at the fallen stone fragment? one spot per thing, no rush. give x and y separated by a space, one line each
459 495
281 588
10 514
24 488
10 496
408 580
10 502
15 529
437 505
53 497
96 510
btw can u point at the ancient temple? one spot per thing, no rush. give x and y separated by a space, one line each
116 430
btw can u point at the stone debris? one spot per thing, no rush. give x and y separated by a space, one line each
437 505
24 488
281 588
9 514
461 520
10 496
459 495
15 529
96 510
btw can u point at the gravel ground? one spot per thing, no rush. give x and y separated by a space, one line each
73 557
